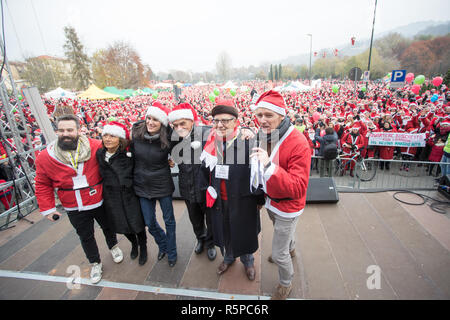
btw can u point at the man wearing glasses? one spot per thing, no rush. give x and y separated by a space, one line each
234 209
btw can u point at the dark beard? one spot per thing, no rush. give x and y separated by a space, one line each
68 145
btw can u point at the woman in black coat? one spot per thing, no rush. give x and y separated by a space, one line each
153 179
120 201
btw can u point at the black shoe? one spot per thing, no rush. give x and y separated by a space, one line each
172 262
134 251
199 247
212 253
161 255
143 256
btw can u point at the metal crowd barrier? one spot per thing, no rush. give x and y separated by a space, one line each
401 175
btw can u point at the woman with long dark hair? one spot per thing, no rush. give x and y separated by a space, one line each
121 203
152 177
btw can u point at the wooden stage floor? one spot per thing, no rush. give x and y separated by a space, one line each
338 248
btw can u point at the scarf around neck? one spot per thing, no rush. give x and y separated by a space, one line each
84 152
209 153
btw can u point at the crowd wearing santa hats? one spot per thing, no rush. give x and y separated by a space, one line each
401 108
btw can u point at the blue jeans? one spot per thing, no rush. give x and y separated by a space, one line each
444 167
166 241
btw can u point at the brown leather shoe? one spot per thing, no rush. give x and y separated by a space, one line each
250 271
292 253
281 292
222 268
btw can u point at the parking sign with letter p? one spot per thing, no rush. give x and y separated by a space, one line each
398 78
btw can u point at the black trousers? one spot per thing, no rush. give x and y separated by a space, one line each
137 238
198 217
83 222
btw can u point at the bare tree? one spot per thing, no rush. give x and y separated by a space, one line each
120 65
223 65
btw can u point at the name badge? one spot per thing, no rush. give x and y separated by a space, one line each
79 182
222 172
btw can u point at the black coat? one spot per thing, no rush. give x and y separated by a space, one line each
191 183
120 201
326 139
152 175
245 223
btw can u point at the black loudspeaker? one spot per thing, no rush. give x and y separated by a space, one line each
321 190
444 186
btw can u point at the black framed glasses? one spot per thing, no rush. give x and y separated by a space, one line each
223 121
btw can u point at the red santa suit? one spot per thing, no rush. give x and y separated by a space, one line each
387 152
353 144
409 151
285 178
370 150
52 174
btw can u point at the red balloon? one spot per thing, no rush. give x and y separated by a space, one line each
437 81
415 88
409 77
316 116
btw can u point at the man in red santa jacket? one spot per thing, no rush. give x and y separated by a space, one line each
70 166
352 143
282 164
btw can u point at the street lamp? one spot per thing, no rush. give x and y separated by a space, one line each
371 40
310 56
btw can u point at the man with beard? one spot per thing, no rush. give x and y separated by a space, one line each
69 165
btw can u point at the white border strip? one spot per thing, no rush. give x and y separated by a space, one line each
135 287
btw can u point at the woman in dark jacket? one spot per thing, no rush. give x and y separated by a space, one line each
330 137
153 179
120 201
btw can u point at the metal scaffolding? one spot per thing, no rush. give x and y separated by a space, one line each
18 169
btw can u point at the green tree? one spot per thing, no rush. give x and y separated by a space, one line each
279 72
271 73
79 61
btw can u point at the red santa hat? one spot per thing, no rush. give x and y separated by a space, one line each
183 111
159 112
116 129
356 126
271 100
445 122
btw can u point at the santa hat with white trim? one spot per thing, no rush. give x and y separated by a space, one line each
271 100
159 112
116 129
183 111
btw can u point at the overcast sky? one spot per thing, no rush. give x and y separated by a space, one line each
190 34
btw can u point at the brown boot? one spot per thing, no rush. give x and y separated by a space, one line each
222 268
292 253
250 272
281 292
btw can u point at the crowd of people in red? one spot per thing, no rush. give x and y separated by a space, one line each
353 114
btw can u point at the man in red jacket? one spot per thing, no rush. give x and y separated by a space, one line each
69 165
283 166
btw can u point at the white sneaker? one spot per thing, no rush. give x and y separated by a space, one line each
96 272
117 254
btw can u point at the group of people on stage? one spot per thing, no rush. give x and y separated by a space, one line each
112 163
227 173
